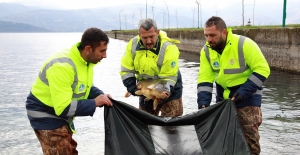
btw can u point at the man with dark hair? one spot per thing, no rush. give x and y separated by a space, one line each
238 68
64 89
153 55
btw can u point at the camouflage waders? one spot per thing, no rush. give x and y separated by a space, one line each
251 118
172 108
57 142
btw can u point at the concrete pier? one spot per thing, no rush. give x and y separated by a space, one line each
280 46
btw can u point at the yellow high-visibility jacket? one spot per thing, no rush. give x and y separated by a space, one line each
139 63
64 89
241 67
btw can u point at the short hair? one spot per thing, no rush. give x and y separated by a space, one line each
147 23
92 37
216 21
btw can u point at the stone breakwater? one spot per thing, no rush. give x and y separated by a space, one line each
280 46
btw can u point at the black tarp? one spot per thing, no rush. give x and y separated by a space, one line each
215 130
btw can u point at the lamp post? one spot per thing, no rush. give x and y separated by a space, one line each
168 15
193 17
200 14
133 20
284 13
198 11
120 17
125 22
163 26
253 14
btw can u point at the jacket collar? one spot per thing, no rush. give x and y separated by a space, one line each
76 53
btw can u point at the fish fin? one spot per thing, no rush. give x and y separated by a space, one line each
155 103
139 92
147 99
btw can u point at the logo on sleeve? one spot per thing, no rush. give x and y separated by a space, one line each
81 87
216 64
173 64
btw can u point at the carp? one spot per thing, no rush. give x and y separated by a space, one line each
155 89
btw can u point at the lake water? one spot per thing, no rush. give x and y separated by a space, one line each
22 54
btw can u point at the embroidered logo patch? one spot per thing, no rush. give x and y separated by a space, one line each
231 61
173 64
81 87
216 64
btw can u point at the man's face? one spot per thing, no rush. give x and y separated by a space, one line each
214 37
96 55
149 38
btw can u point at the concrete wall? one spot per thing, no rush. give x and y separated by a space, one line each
280 46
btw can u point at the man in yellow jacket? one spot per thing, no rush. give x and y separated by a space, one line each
153 55
237 66
64 89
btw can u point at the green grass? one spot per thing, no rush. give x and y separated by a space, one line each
265 26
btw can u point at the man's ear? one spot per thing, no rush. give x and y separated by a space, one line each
224 32
87 49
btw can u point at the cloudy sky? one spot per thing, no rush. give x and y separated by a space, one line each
267 12
80 4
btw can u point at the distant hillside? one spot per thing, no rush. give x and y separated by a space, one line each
20 27
12 8
112 18
66 20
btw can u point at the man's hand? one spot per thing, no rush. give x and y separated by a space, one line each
201 107
237 98
103 99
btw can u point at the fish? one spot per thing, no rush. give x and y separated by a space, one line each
155 89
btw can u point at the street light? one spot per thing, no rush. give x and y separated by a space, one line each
120 17
168 15
199 3
200 15
163 26
193 16
198 12
126 22
284 13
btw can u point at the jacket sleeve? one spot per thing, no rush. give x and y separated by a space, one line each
260 69
94 92
127 72
206 77
85 107
60 79
170 66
